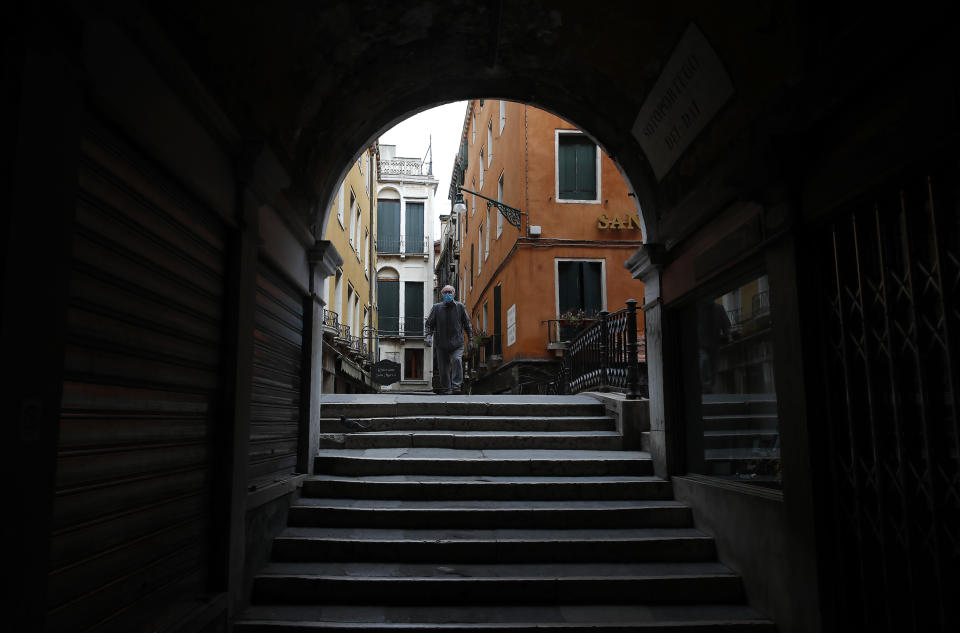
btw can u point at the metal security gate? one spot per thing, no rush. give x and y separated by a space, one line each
889 340
277 399
131 542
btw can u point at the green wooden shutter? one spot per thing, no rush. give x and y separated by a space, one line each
586 170
567 164
568 278
388 300
413 308
592 284
414 228
388 226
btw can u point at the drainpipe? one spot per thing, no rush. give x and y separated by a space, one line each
371 266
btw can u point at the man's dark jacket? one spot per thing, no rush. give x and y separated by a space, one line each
447 322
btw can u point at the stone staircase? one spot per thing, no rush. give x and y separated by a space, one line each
489 513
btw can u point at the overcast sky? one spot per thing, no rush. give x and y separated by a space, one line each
412 137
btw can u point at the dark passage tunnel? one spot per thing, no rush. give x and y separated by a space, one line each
168 163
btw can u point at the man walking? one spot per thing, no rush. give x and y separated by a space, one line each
446 324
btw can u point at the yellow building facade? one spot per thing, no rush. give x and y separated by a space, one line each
349 320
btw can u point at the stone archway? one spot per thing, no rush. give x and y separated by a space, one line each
319 83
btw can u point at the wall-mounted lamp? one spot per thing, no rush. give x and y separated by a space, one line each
512 215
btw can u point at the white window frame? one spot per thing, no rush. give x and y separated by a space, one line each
340 205
351 301
556 280
489 141
503 115
486 243
482 168
480 251
356 314
500 199
358 225
556 170
350 227
473 127
473 200
338 292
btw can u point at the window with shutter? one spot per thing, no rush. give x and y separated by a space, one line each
388 226
414 228
388 301
413 308
580 286
576 168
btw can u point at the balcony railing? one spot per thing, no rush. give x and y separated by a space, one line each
606 355
330 321
403 167
564 330
388 244
401 327
400 245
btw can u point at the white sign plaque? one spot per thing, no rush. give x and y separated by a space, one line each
511 325
691 89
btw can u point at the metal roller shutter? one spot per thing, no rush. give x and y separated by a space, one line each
276 403
132 511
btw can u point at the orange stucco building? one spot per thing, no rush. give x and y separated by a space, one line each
578 224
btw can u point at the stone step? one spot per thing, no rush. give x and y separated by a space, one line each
441 461
478 440
379 583
458 423
431 514
514 406
512 618
500 546
479 487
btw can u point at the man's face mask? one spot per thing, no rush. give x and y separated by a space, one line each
447 297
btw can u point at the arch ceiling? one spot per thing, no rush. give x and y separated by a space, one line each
318 81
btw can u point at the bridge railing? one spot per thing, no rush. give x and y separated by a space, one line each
606 356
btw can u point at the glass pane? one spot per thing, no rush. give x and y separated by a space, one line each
738 423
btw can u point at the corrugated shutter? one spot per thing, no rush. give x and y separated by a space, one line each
278 358
132 511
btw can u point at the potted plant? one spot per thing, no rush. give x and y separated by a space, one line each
574 318
479 338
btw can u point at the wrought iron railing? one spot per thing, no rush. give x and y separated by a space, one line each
400 245
565 330
388 244
400 327
330 320
606 355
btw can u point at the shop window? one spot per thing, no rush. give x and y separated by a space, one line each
733 431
